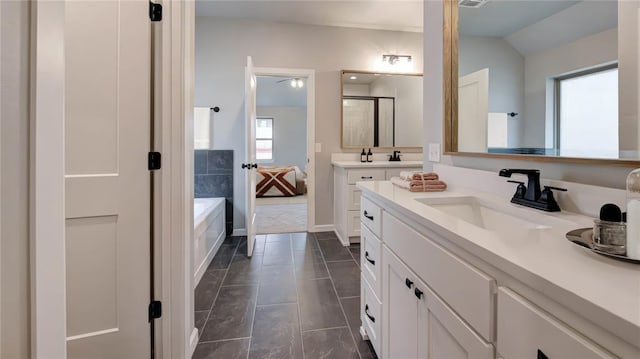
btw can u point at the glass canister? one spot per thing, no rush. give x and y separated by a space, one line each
633 214
609 237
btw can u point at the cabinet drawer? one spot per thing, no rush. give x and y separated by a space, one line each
454 280
371 316
524 330
369 174
353 223
371 260
353 197
370 215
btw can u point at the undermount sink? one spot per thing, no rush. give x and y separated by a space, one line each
490 216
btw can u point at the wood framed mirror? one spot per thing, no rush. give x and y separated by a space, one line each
522 81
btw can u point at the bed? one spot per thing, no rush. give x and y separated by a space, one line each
280 181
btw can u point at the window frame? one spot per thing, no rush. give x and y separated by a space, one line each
557 97
272 139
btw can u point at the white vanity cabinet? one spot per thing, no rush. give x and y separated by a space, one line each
346 197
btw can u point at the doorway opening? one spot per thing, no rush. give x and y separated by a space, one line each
281 154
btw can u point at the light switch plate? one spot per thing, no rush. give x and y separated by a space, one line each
434 152
318 147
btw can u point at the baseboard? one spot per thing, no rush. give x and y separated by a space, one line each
197 276
342 241
193 341
239 232
323 228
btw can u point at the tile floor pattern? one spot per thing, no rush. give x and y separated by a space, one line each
297 297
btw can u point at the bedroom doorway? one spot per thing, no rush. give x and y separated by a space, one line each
284 143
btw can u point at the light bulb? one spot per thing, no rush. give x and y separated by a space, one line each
300 83
293 83
353 78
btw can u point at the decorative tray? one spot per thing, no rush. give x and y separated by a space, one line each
584 237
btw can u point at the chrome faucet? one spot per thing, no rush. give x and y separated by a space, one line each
531 195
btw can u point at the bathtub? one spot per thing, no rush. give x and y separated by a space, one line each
208 233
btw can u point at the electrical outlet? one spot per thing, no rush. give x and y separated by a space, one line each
434 152
318 147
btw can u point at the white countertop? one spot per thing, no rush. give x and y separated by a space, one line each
378 164
603 290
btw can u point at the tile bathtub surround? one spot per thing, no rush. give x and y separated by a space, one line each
287 301
213 177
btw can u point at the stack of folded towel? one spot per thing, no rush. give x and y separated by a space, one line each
419 181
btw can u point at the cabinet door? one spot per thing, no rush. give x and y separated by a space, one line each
401 310
443 334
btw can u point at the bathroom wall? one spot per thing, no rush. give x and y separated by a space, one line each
14 180
222 46
213 177
289 134
608 176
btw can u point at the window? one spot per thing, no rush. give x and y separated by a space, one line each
587 113
264 139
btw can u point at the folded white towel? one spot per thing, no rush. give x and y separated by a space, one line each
400 182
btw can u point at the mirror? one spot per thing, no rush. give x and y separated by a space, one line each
543 78
381 110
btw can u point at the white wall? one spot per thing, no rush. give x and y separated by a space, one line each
506 77
608 176
628 74
14 183
222 46
587 52
290 134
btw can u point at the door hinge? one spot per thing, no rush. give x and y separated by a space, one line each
155 161
155 11
155 310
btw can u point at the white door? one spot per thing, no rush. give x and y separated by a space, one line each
473 111
250 159
106 178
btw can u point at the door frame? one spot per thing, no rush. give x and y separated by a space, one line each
310 75
46 180
176 336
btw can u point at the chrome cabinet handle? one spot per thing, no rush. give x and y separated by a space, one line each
366 256
366 311
369 217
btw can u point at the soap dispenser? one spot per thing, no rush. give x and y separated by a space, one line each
633 214
363 156
369 156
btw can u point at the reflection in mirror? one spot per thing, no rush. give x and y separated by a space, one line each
381 110
541 77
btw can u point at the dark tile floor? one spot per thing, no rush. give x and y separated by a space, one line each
297 297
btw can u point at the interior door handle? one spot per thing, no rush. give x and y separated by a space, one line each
366 256
367 215
366 311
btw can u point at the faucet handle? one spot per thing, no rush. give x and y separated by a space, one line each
521 190
556 188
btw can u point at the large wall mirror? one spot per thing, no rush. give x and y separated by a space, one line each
542 78
381 110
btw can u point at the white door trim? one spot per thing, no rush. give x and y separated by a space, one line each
310 75
46 217
176 335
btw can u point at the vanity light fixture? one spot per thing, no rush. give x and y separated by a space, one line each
396 59
297 83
